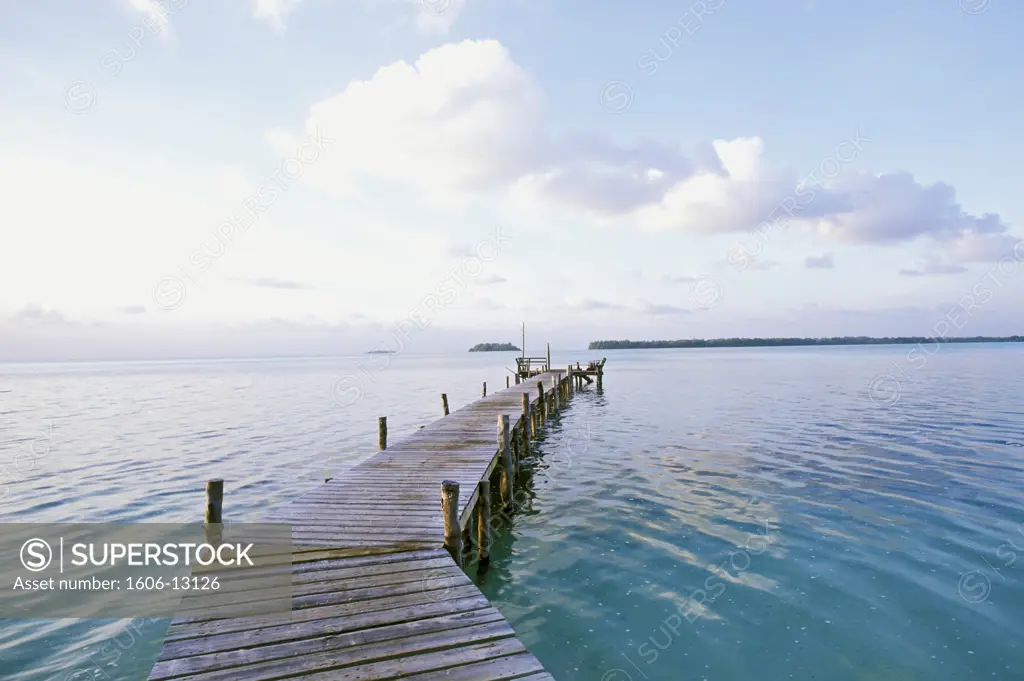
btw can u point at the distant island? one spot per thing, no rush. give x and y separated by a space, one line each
776 342
382 352
494 347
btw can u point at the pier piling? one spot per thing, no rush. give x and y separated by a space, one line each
382 433
507 464
483 523
527 423
444 402
214 501
452 530
485 390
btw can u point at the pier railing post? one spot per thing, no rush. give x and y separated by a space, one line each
214 501
554 395
527 423
485 390
214 511
444 402
382 432
508 466
450 509
483 523
506 382
541 404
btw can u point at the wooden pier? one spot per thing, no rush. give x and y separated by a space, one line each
379 588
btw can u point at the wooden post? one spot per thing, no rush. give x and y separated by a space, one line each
568 380
600 372
483 523
549 356
506 382
485 389
444 402
214 501
527 423
382 432
508 466
450 509
214 511
541 404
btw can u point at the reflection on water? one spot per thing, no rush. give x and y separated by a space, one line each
720 514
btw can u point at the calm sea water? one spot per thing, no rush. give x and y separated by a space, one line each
793 513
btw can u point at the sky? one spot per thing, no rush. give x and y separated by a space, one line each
193 178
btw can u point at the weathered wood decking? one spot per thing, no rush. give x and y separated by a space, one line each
375 596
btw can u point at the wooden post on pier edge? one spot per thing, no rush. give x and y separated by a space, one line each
506 382
554 395
485 390
444 402
214 502
549 356
508 466
382 432
483 524
541 404
568 384
450 509
527 423
214 511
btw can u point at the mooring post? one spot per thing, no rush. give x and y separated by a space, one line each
214 511
444 402
450 509
382 432
506 382
549 356
508 466
541 404
527 424
485 390
569 378
214 501
483 523
600 373
554 395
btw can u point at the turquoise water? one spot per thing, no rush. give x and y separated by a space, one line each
792 513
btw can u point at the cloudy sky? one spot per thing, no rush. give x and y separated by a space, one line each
307 176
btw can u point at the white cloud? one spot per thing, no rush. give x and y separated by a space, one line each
155 15
465 120
274 12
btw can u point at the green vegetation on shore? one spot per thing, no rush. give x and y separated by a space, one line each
774 342
494 347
